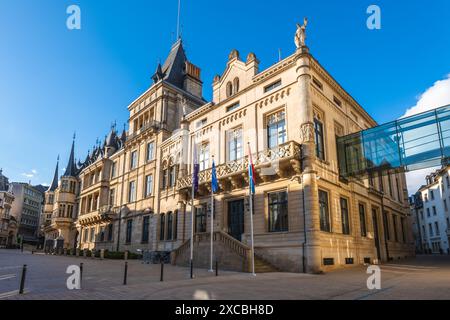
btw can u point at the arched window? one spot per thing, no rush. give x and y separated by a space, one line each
229 89
235 85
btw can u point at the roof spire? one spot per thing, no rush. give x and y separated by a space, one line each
54 184
71 167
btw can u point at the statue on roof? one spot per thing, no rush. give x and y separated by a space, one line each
300 35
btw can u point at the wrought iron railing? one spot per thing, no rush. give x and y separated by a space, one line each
287 151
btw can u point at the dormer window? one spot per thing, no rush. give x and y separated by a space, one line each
233 87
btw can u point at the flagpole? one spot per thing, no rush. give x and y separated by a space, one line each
211 269
212 231
192 209
251 211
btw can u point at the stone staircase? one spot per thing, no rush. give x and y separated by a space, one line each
231 254
262 266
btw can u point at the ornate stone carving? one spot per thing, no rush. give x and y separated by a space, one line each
307 132
300 35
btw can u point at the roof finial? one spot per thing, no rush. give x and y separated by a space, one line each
74 135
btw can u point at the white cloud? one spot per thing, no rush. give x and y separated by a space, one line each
28 175
434 97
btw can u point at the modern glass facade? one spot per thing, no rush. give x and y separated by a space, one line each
412 143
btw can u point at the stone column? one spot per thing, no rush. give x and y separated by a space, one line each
309 175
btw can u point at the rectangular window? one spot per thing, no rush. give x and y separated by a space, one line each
172 176
110 232
148 186
278 212
233 107
436 225
175 225
345 216
318 83
113 170
92 236
402 222
362 220
380 181
445 205
387 232
320 144
170 226
428 212
133 160
394 219
200 219
272 86
162 227
85 235
204 157
324 212
235 144
112 194
165 178
434 211
129 231
132 191
391 189
430 227
432 194
150 151
276 129
145 229
337 101
448 181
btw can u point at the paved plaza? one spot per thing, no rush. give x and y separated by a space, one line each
426 277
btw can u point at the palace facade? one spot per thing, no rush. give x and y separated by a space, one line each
133 191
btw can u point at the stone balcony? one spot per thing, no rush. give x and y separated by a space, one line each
103 214
152 126
270 164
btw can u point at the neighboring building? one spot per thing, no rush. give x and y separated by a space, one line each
8 223
27 208
135 189
433 213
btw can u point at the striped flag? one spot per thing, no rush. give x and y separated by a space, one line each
215 182
251 171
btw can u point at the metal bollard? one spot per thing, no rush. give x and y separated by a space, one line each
192 269
125 274
217 268
22 280
162 271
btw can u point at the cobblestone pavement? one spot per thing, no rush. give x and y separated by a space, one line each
426 277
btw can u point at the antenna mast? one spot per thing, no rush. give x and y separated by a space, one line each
178 20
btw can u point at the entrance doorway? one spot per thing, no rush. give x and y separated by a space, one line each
236 219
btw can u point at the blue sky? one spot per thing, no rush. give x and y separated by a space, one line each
54 81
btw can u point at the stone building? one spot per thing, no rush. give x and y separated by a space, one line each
27 209
8 223
431 207
135 189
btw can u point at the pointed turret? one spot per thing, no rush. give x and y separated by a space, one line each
71 169
54 184
158 76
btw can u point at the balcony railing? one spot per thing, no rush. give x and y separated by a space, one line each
152 125
267 158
